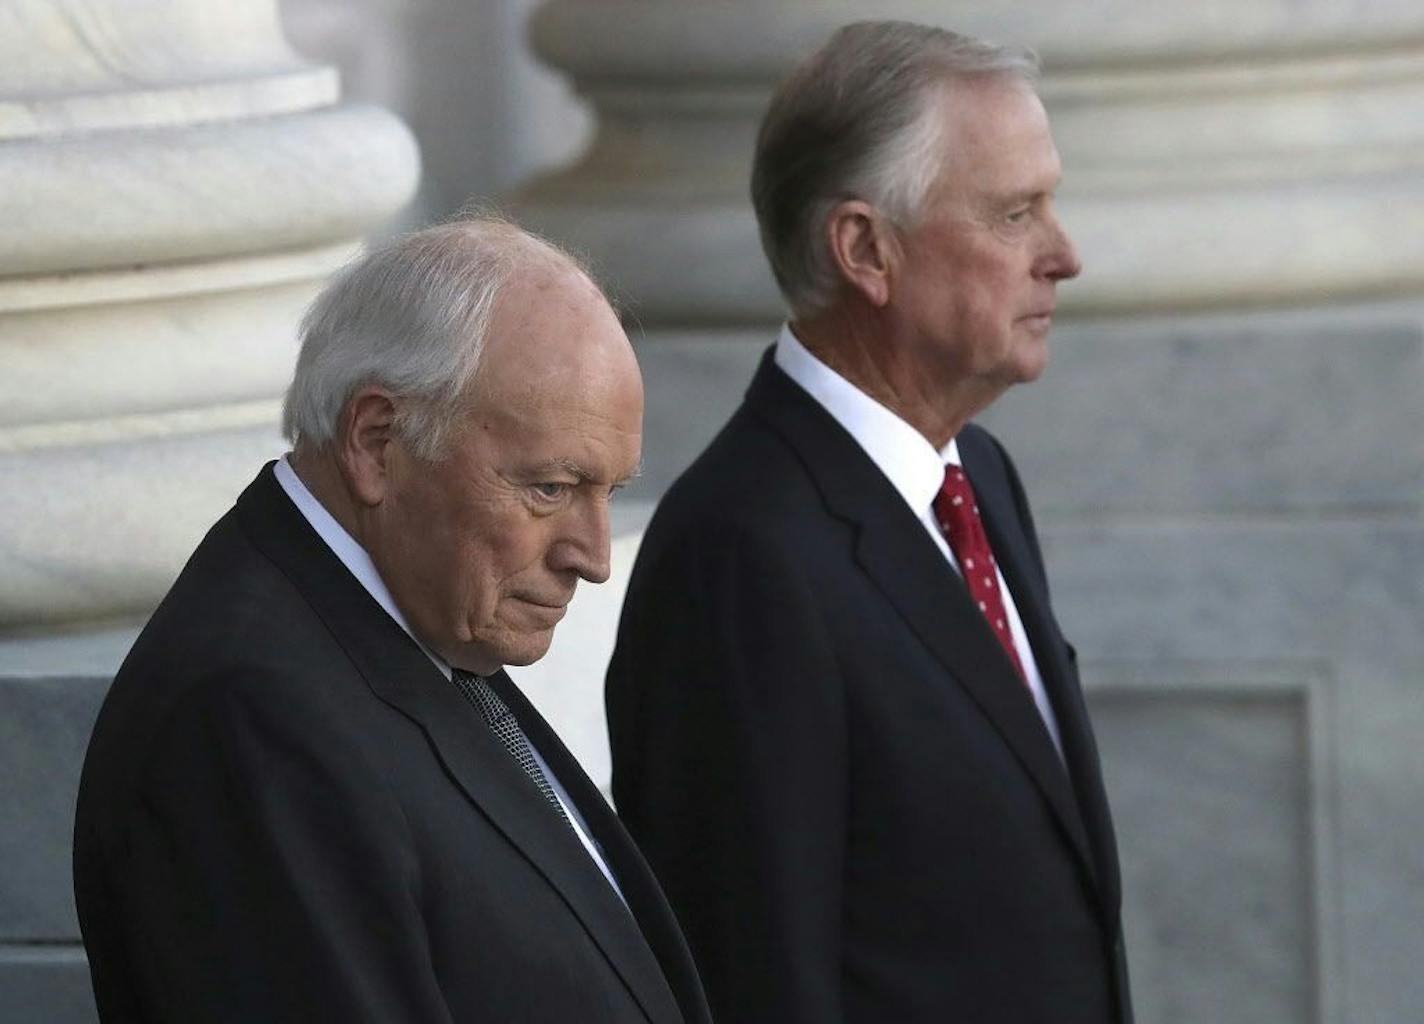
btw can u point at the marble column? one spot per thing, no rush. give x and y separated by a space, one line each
1226 454
175 182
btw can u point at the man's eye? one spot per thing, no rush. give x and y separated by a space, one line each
1018 216
550 491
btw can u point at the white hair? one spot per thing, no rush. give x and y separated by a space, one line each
860 119
412 316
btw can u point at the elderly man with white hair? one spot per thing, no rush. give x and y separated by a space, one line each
312 792
847 730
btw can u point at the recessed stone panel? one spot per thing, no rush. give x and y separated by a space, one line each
1211 796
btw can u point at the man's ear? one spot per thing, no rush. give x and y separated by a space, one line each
363 444
863 248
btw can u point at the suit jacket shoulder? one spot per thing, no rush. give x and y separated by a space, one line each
287 812
804 696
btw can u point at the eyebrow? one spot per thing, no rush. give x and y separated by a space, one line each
1027 195
568 466
637 472
575 470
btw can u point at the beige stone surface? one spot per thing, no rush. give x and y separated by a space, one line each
96 531
175 183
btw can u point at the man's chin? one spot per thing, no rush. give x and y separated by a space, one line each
522 659
1031 360
494 648
525 649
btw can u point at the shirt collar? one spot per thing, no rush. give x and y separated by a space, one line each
346 548
901 452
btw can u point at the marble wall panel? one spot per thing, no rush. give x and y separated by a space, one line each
1350 593
1211 791
1322 418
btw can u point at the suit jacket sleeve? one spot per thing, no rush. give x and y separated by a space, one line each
279 865
727 723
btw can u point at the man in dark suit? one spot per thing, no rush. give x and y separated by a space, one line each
312 792
847 731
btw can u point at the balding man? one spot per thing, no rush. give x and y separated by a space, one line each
847 731
312 792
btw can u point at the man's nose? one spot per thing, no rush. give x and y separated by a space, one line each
1060 261
585 550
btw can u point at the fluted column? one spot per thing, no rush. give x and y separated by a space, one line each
174 183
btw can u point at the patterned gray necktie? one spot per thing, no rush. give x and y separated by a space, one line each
506 729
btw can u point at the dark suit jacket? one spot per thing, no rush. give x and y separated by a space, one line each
288 814
843 785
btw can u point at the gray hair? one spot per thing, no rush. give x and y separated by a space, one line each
857 121
412 316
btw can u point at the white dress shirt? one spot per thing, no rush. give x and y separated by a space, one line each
355 558
914 469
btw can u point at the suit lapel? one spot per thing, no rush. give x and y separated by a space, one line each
1006 537
1018 563
635 879
498 786
401 674
894 551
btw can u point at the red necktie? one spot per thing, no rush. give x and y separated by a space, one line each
958 513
